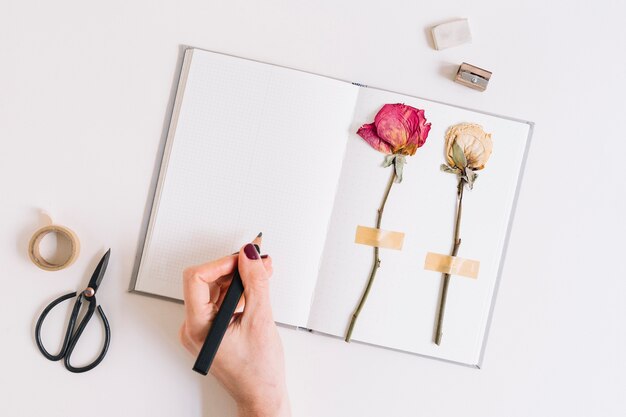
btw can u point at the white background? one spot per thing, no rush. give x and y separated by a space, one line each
85 91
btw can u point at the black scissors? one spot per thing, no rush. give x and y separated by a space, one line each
73 334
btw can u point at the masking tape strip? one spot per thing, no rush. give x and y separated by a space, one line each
379 238
40 261
451 265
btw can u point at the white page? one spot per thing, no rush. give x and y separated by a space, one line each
401 309
256 148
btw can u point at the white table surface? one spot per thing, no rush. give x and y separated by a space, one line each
85 91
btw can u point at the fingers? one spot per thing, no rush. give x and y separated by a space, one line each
267 263
212 271
205 286
197 283
187 342
255 278
221 287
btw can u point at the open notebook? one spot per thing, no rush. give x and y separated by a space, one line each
256 147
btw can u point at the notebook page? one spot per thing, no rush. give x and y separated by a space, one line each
401 309
256 148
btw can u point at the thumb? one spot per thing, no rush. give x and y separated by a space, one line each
255 280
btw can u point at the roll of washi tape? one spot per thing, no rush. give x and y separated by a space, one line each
62 232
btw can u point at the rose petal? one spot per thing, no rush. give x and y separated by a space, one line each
424 128
368 133
419 129
392 125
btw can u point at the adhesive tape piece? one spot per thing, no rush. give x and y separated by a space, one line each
379 238
62 231
451 265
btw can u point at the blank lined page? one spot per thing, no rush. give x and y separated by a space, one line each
256 148
401 309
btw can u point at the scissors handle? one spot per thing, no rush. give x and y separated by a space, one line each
71 336
68 333
79 331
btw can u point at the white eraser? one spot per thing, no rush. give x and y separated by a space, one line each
451 34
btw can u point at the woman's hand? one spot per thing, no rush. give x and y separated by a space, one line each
249 362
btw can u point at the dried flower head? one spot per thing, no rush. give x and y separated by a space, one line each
468 149
475 144
397 129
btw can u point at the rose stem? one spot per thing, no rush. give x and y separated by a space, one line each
455 250
376 265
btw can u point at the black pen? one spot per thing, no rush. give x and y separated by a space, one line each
222 320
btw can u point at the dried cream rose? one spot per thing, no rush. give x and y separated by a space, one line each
468 149
475 143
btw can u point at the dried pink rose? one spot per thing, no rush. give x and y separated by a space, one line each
397 129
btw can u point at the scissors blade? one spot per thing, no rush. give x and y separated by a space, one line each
98 274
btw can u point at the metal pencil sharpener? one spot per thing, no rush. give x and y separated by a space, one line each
472 77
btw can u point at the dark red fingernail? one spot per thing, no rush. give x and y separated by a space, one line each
250 251
262 256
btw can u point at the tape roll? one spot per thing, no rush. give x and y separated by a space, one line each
62 231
